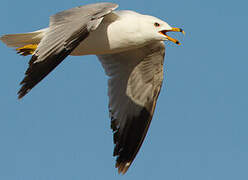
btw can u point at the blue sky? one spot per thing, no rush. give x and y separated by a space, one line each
61 129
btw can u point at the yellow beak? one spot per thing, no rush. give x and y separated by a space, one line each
172 30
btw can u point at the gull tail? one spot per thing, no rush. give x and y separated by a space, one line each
25 43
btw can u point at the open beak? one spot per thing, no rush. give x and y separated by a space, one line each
172 30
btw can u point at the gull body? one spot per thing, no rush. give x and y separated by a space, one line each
130 48
113 36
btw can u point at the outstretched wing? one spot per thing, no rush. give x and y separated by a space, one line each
67 29
135 79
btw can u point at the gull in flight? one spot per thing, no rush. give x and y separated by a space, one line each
131 50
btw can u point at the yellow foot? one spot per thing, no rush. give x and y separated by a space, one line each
27 49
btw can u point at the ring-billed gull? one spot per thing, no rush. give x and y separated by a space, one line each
130 48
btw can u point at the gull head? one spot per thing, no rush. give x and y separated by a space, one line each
157 29
127 30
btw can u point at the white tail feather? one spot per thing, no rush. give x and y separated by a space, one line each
20 40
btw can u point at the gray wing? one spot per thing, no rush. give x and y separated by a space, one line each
135 79
67 29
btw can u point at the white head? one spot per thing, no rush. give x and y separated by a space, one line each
129 29
157 29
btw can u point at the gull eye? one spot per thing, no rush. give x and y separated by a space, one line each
156 24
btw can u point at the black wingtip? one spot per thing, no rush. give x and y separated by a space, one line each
22 92
20 96
122 167
129 141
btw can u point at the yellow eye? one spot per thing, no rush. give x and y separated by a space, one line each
156 24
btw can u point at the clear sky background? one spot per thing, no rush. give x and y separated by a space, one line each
61 129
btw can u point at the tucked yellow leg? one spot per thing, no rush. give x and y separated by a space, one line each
27 49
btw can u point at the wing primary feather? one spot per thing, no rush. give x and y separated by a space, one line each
37 71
